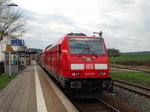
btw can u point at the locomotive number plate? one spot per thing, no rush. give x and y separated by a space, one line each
89 73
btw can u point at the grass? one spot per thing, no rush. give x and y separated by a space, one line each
130 57
133 77
132 60
4 79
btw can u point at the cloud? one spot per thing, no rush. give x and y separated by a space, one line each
125 23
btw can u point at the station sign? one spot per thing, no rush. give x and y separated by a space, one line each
17 42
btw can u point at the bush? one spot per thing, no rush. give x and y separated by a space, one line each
113 52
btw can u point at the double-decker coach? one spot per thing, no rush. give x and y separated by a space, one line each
79 63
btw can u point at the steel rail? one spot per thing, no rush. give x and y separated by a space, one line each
79 108
134 69
134 85
108 105
132 90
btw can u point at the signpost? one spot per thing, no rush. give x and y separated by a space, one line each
9 48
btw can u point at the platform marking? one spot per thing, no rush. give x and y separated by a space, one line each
41 107
69 106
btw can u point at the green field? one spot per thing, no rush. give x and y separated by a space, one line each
131 57
133 77
4 80
135 60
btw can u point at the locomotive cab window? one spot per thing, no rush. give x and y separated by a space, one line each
86 45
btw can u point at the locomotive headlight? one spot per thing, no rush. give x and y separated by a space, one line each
83 57
93 57
75 74
102 73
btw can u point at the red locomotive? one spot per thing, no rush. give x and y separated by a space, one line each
79 63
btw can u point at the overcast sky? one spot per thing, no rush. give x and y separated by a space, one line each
125 23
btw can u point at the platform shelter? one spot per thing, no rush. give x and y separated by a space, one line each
19 60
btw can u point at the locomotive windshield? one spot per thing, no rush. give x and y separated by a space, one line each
85 45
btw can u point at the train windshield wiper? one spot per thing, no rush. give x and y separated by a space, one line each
83 51
88 49
93 53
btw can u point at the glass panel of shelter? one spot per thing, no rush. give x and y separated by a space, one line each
19 60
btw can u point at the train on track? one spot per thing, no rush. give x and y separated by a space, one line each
79 63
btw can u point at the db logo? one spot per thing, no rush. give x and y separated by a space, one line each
89 66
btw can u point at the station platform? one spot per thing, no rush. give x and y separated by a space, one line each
33 91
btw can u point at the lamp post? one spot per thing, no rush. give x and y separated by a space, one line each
22 33
9 19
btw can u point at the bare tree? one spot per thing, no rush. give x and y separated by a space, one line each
11 20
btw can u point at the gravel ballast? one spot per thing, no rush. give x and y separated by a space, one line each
140 102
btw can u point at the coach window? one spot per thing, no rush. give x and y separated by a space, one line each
59 49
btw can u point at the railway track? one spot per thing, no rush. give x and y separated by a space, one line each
93 105
144 91
132 69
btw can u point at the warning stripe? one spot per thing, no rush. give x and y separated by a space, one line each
41 107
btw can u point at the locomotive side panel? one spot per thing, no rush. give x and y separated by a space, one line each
62 61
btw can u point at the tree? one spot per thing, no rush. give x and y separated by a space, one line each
10 20
113 52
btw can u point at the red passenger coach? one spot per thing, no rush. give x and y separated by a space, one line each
80 64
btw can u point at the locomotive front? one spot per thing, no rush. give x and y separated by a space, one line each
88 65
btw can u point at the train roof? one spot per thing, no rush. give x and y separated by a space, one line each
82 34
73 35
76 34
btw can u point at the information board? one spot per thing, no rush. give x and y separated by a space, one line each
17 42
